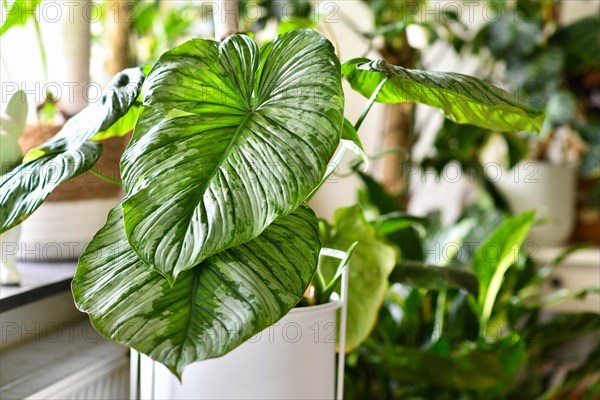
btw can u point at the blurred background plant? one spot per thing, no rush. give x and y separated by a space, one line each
464 316
447 321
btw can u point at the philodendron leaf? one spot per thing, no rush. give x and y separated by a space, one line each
116 101
463 99
67 154
25 188
211 308
229 138
370 265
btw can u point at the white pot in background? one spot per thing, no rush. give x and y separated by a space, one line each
550 190
9 246
60 230
293 359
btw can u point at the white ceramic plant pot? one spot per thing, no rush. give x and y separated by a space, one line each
550 190
60 230
9 245
293 359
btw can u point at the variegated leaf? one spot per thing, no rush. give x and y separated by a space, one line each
462 98
211 308
229 138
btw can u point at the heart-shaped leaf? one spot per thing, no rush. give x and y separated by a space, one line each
463 99
229 138
211 308
66 155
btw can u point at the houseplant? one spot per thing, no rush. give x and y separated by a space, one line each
69 218
12 125
229 142
466 318
551 64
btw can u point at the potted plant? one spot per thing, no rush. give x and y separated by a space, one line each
548 64
13 123
471 303
213 235
74 212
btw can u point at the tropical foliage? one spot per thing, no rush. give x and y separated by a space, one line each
213 235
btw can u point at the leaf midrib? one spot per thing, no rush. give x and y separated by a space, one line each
202 190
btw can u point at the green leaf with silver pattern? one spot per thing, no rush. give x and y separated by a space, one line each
229 138
463 99
211 308
68 154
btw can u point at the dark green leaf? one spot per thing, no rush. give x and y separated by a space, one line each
463 99
581 44
378 195
229 138
433 277
211 308
563 327
463 370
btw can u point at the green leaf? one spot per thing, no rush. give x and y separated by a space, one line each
378 195
493 258
351 140
18 14
397 221
289 25
463 99
581 44
16 111
561 328
211 308
66 155
370 265
25 188
433 277
229 138
463 370
121 127
12 125
116 101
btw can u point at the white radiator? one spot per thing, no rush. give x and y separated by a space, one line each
73 362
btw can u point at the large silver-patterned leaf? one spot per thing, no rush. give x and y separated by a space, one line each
463 99
229 138
211 308
68 154
116 101
25 188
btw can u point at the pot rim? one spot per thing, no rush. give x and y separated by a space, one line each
334 303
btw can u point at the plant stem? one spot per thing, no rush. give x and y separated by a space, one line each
226 18
106 177
367 108
318 283
38 37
